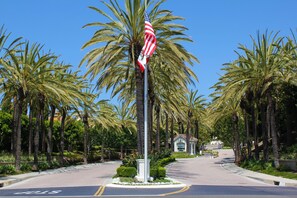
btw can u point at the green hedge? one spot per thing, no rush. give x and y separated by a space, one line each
158 172
26 167
163 162
43 166
7 170
182 155
126 171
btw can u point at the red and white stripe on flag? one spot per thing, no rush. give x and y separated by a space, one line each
150 44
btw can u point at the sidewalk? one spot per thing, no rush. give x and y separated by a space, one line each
6 181
268 179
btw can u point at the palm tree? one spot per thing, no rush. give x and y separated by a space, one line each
269 65
254 77
70 98
18 70
107 120
49 91
93 113
126 122
122 39
86 110
227 104
190 104
5 51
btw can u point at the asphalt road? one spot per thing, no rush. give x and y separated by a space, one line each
204 176
193 191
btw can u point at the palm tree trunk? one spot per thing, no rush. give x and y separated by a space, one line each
248 141
188 136
122 152
166 130
102 149
50 131
86 137
271 122
150 124
30 130
62 138
289 122
264 132
180 130
18 126
42 124
172 134
139 109
15 125
151 102
237 151
158 109
255 131
36 138
197 133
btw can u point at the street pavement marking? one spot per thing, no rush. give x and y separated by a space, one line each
100 191
184 189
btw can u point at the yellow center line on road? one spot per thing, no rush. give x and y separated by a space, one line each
184 189
99 191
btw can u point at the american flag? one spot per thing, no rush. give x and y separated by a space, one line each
150 44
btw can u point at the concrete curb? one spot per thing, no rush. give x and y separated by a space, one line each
173 184
6 181
268 179
147 186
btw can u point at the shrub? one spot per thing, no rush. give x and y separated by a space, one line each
72 157
161 172
7 170
127 179
55 164
126 171
43 166
26 168
162 180
158 172
182 155
156 157
284 168
94 156
163 162
154 172
165 153
130 161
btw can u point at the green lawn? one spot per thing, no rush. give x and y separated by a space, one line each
182 155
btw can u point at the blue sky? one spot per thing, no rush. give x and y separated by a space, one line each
215 26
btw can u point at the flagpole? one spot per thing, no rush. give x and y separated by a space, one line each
145 117
145 123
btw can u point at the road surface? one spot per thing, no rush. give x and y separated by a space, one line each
204 176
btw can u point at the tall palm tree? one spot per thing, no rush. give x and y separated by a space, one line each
227 104
5 52
254 77
126 121
70 98
190 104
93 113
122 39
49 91
18 70
269 64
